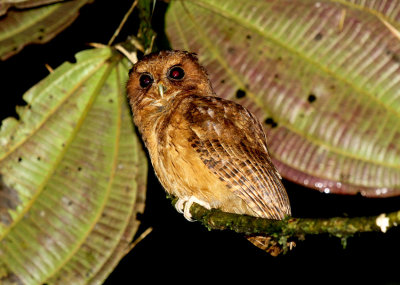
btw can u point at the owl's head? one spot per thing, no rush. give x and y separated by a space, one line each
158 77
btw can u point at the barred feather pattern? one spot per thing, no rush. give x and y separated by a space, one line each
237 156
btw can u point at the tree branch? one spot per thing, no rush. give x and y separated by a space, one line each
293 228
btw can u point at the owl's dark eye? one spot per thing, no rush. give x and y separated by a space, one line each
145 80
176 73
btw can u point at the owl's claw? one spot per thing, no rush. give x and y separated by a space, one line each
183 206
193 199
179 204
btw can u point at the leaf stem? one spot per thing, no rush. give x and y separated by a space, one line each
117 31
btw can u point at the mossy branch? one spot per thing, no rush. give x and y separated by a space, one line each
293 228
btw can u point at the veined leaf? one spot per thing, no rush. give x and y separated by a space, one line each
324 76
72 175
19 28
20 4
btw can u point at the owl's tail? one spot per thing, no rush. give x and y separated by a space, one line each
269 245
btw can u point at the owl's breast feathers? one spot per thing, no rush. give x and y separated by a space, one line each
216 150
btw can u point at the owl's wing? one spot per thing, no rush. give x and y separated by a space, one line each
232 144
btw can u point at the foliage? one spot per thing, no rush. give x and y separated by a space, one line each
321 75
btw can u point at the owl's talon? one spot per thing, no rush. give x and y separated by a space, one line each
179 204
188 204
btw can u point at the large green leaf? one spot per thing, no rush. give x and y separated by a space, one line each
19 28
324 76
72 175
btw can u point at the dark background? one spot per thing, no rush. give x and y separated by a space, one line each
183 252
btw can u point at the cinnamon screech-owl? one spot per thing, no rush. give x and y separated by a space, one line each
203 148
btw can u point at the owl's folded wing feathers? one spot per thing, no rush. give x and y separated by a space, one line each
232 144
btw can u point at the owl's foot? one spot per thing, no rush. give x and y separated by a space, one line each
180 203
183 206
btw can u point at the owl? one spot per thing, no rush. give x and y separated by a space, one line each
203 148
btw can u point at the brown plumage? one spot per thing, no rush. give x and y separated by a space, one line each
203 148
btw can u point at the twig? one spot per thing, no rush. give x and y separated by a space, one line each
96 45
150 48
136 43
139 239
122 22
130 55
49 68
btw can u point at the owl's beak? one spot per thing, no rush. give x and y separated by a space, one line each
161 89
